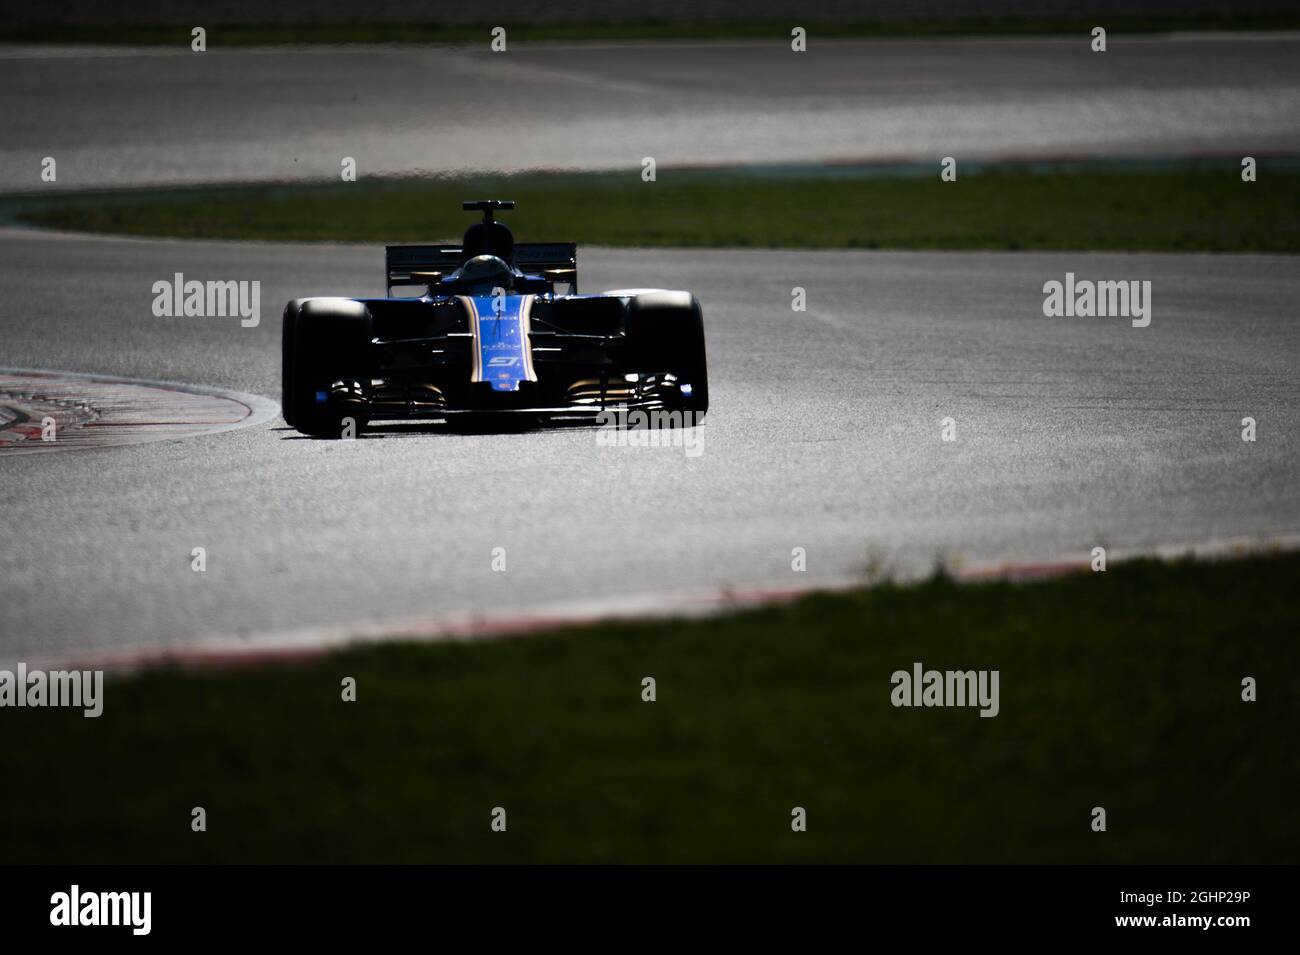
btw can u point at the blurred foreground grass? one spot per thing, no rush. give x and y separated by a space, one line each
1120 690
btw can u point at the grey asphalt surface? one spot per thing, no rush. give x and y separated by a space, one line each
116 117
824 434
182 12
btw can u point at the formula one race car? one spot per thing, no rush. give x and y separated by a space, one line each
490 335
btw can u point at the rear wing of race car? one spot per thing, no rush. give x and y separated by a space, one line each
421 264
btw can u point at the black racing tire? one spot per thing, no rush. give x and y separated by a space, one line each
287 329
666 331
325 340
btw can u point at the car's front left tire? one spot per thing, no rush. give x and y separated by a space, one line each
666 332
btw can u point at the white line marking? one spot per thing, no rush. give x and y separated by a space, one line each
306 643
133 429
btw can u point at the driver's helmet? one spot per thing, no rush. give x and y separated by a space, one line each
489 270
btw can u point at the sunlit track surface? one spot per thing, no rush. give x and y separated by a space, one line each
824 433
56 411
114 117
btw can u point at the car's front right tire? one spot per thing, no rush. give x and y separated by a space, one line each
324 341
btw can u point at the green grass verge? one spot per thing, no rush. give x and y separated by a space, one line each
1119 690
1162 209
371 31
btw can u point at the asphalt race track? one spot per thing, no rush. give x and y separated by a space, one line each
114 117
825 429
824 434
